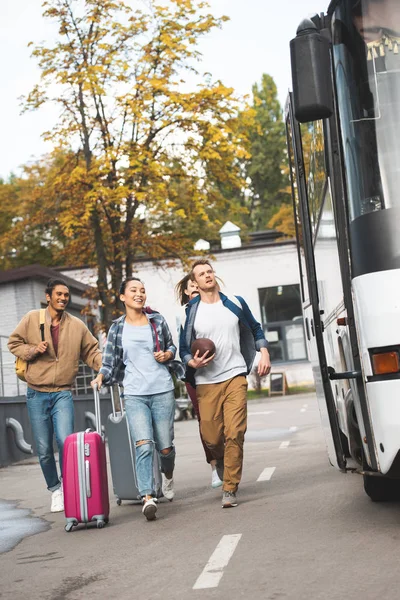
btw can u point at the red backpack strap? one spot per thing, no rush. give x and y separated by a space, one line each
156 335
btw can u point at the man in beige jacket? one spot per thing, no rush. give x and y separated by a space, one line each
52 366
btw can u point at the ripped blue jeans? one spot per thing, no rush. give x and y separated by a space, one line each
151 419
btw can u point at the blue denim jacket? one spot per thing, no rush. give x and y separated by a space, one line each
252 337
113 367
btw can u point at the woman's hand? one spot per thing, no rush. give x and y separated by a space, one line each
98 381
198 363
163 357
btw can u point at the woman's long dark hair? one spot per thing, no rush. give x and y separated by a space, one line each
123 285
180 288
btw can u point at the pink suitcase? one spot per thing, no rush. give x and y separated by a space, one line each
85 476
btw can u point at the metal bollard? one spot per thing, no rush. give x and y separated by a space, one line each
91 420
20 441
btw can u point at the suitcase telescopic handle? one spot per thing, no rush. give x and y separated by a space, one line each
114 410
97 407
112 401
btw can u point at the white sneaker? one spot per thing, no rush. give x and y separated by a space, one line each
168 487
149 508
215 480
57 501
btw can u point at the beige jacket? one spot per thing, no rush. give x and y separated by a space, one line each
48 372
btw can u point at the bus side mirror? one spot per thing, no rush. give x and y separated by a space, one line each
311 74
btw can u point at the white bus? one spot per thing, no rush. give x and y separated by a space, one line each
343 130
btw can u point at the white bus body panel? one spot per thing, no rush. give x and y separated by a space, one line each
377 313
384 405
377 302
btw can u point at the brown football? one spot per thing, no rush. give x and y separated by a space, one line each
202 345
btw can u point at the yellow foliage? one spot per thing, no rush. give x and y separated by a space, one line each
283 221
139 158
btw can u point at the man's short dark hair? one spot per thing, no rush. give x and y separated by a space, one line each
200 261
52 283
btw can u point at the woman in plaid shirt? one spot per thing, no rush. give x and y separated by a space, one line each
138 349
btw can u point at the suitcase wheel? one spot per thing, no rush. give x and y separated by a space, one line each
69 527
119 501
100 524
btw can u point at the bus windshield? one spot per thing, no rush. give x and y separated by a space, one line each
366 50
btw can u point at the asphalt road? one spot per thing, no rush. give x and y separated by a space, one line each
302 530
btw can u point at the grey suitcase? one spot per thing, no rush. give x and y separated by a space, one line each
122 458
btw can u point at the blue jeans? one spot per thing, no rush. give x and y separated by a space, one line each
50 413
151 419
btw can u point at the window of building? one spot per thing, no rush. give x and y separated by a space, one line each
282 321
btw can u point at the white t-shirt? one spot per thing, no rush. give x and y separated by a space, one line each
221 325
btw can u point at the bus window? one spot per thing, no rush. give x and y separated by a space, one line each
367 67
313 149
327 263
297 216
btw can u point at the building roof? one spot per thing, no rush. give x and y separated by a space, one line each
257 239
40 272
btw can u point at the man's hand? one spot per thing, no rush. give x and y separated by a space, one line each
41 348
198 363
163 357
264 365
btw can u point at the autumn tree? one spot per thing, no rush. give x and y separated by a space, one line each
25 237
136 117
265 168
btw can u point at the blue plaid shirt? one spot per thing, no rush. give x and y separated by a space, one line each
113 367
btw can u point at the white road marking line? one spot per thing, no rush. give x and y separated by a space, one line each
219 559
293 429
284 445
266 474
265 412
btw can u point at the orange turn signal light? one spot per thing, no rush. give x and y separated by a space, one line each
385 362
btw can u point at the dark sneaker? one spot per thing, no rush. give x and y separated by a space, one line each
220 468
149 508
229 500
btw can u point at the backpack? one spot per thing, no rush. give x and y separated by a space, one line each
21 364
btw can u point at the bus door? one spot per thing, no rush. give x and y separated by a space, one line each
312 310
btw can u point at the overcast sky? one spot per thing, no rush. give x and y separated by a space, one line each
254 41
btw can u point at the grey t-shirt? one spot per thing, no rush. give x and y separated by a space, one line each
143 374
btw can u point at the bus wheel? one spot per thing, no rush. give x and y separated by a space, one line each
381 489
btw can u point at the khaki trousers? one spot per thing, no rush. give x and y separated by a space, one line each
223 413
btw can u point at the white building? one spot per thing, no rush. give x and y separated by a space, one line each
264 271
